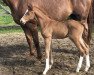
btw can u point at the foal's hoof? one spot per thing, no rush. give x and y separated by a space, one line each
86 69
43 73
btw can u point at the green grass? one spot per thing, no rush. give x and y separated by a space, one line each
10 30
5 19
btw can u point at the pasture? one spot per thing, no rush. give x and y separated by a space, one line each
5 19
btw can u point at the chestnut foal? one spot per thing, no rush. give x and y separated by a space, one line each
55 29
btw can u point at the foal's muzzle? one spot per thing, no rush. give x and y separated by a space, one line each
23 21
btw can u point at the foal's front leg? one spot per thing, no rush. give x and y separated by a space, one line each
47 51
51 58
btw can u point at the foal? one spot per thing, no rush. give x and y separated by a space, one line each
54 29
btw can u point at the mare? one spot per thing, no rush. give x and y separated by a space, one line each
60 10
58 30
18 8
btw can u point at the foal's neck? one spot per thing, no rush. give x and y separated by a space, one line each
43 19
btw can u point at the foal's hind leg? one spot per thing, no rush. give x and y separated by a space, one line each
81 55
84 50
87 63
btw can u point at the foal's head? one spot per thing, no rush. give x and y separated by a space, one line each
28 16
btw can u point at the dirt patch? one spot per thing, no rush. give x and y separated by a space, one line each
15 59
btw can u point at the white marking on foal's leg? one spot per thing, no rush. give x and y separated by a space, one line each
51 59
87 63
79 64
51 63
46 67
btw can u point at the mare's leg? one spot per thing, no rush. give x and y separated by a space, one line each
85 24
29 38
86 14
47 51
34 32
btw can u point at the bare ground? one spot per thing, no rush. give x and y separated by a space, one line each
15 59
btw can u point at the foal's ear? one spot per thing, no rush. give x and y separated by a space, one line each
30 7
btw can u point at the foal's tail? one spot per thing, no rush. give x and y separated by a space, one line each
90 23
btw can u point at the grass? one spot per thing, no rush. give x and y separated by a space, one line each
10 30
5 19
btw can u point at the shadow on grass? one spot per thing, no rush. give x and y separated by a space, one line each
14 55
10 29
8 51
66 51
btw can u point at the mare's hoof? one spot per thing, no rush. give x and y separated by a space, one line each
32 52
39 57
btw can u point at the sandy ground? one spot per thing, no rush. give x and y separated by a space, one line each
15 59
